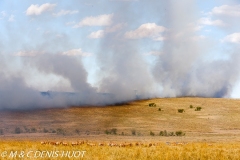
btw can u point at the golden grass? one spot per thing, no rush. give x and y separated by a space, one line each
202 151
217 121
212 133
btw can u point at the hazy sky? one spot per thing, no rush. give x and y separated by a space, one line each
49 43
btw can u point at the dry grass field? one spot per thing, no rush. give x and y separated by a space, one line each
212 132
189 151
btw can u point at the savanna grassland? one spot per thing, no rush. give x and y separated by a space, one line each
179 128
204 151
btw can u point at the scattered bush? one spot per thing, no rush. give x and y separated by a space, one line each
33 130
133 132
60 131
198 109
107 132
152 134
112 131
180 133
54 131
45 130
191 106
17 130
1 131
163 133
77 131
87 132
159 109
26 129
181 110
152 105
171 134
177 133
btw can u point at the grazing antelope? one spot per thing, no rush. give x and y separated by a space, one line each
81 142
115 144
121 145
180 144
64 143
91 144
128 144
100 144
58 143
168 143
174 144
52 143
74 143
44 142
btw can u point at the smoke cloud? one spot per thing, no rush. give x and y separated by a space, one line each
182 69
184 65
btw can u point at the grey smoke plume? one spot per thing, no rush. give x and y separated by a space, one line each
182 69
126 74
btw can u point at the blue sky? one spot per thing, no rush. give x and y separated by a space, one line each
93 32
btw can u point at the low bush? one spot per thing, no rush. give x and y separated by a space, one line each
198 109
60 131
181 110
133 132
77 131
45 130
33 130
152 105
107 132
112 131
152 133
180 133
171 134
163 133
17 130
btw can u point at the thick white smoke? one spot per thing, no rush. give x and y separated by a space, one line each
182 68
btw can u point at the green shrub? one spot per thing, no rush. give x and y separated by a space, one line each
107 132
171 134
152 133
198 109
114 131
191 106
45 130
163 133
181 110
133 132
152 105
27 130
17 130
180 133
159 109
33 130
60 131
77 131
